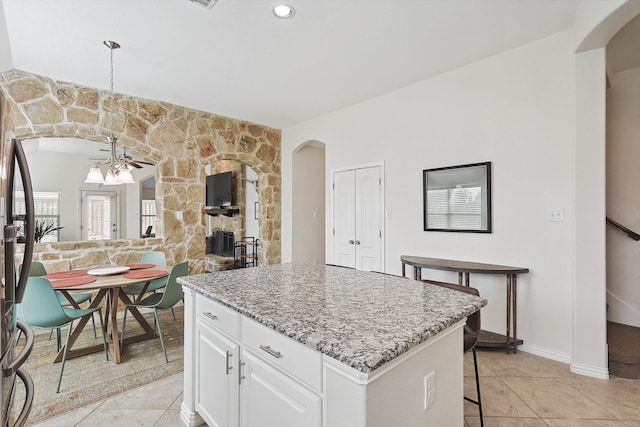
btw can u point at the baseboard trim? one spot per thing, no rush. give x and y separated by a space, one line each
543 352
590 371
576 368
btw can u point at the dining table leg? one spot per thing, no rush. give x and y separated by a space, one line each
115 336
78 329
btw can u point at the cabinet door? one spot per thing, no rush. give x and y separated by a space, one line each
271 398
217 389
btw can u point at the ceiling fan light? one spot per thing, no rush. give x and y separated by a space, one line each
112 178
125 177
94 176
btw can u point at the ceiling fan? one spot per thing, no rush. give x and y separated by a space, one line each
124 158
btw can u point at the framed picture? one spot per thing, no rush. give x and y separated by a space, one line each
458 198
256 210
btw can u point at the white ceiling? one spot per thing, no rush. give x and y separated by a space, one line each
238 60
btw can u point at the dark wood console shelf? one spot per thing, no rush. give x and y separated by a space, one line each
464 268
221 211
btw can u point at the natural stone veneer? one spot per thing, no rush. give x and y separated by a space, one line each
179 140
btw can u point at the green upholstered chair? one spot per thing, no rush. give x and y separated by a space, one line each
161 300
40 308
38 270
156 258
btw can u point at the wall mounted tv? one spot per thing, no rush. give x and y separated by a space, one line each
219 192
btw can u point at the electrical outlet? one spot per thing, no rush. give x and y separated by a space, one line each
429 389
555 214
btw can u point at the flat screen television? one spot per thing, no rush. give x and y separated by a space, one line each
219 191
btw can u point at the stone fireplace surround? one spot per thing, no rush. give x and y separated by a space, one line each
179 140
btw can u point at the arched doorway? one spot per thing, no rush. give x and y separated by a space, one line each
308 204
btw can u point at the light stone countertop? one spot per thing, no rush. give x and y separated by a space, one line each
363 319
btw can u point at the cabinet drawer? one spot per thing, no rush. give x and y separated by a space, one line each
218 316
287 354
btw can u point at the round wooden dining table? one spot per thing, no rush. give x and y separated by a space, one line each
108 283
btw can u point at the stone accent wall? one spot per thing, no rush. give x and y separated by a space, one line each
179 140
63 256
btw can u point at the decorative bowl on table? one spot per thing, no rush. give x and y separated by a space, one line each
107 271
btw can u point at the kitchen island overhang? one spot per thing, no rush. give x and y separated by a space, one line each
368 327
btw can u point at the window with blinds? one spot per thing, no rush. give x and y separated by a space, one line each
458 198
46 208
455 208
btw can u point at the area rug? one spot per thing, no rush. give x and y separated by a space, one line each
91 378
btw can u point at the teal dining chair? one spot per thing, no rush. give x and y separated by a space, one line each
40 308
38 269
156 258
161 300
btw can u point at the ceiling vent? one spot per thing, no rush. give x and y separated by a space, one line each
205 3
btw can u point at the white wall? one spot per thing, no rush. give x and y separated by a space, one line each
51 171
623 197
513 109
6 60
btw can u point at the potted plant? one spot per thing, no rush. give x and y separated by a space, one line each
42 228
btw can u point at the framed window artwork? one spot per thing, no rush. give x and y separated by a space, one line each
458 198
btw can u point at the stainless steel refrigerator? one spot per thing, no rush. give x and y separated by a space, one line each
14 353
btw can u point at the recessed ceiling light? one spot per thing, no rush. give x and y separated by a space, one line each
283 11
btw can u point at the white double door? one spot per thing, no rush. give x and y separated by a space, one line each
357 218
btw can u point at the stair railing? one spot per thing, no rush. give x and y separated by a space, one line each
632 234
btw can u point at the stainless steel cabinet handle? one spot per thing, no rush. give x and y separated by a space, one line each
240 376
270 351
229 367
351 242
210 316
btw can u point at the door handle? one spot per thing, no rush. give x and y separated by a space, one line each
357 242
351 242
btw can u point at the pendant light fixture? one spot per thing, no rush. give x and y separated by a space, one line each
118 171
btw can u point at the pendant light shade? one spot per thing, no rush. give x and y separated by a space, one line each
125 177
94 176
117 170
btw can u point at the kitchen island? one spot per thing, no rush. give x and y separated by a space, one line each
303 345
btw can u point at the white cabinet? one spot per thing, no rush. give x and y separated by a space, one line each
270 398
217 377
252 381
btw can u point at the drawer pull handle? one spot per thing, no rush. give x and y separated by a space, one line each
210 316
229 367
272 352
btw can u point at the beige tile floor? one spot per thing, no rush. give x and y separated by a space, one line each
517 390
526 390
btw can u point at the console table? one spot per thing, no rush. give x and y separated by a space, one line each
464 269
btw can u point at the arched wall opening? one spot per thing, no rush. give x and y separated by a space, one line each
180 141
308 203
